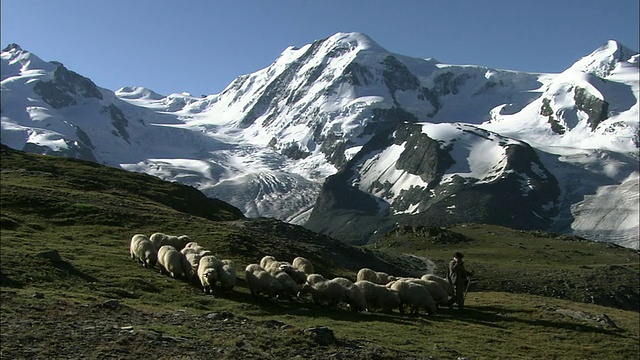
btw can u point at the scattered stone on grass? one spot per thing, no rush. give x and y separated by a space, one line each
321 335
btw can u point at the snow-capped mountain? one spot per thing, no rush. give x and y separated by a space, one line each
350 139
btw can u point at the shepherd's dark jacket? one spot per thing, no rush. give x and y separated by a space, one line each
457 272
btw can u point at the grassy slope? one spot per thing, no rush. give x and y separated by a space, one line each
88 213
530 262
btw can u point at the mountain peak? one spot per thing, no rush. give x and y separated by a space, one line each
604 59
19 60
12 47
14 51
354 40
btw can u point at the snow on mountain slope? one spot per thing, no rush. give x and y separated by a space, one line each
138 92
607 60
138 130
268 141
474 154
329 97
437 174
587 121
611 214
581 108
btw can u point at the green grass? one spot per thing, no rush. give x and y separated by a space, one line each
520 278
531 262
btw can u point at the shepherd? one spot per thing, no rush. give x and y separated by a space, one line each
458 276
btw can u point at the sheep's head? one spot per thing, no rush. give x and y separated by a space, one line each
275 287
357 307
305 289
152 259
227 262
356 300
432 308
211 275
314 279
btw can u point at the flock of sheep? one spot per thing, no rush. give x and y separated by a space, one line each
179 257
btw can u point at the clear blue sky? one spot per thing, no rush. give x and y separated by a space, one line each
201 46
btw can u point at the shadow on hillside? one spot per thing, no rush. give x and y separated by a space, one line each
306 308
493 316
9 282
54 258
490 316
71 270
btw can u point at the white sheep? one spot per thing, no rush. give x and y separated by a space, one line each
227 275
289 287
175 241
208 269
355 299
272 265
297 275
276 265
227 262
156 239
378 296
260 281
438 294
334 291
377 277
143 250
193 246
253 268
444 283
210 261
194 261
193 256
415 295
303 265
173 262
311 280
178 242
266 260
328 292
315 278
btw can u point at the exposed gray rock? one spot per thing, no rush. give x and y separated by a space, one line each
222 315
422 156
596 109
321 335
65 87
118 120
111 304
521 194
602 320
